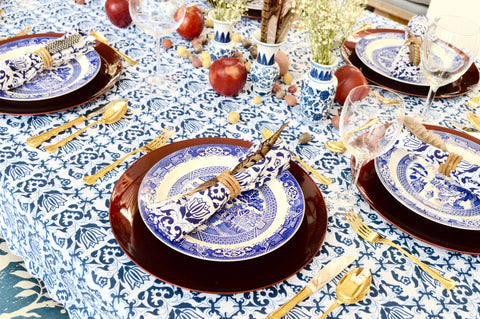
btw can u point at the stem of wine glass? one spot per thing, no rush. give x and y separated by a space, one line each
356 174
430 97
158 44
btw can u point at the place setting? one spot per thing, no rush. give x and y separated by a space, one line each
78 70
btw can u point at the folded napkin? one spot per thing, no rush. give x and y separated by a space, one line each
402 66
177 216
17 71
434 152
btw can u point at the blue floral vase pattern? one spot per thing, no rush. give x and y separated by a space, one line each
318 91
265 69
222 45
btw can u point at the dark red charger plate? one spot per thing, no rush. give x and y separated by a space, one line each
173 267
455 239
109 73
463 85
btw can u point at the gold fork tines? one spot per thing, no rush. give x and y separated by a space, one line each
474 101
371 236
154 144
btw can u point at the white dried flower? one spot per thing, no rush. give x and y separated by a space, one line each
327 23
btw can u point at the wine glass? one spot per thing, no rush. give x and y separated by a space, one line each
447 51
370 122
158 18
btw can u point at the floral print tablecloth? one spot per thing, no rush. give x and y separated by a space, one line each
60 226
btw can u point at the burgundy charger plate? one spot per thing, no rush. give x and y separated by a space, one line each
173 267
463 85
109 73
451 238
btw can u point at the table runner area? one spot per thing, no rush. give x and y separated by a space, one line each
60 226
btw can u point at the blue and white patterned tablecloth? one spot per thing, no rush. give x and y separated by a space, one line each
60 226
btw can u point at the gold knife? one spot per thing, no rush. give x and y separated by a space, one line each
35 141
327 273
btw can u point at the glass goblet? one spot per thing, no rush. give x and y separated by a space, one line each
158 18
447 51
370 122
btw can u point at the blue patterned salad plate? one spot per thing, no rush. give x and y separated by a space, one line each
419 186
378 50
253 224
54 82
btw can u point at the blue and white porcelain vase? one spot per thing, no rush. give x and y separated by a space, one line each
265 69
222 45
318 91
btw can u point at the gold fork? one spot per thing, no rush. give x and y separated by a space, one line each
154 144
474 101
371 236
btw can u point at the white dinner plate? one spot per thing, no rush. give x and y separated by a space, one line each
419 186
55 81
378 51
253 224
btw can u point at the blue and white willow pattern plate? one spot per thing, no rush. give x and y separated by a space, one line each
253 224
419 186
378 51
55 81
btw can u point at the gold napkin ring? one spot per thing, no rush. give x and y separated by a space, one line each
450 164
227 179
46 57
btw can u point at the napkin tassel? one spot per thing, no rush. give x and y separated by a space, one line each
46 57
227 179
450 164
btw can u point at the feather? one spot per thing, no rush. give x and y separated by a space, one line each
249 161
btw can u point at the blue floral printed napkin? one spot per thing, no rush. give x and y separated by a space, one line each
402 67
177 216
20 70
465 174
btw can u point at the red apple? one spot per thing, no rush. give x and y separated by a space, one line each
348 77
227 76
117 12
192 24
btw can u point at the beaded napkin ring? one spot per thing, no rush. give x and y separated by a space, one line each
433 139
46 57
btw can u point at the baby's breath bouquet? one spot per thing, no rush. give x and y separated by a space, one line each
327 23
228 10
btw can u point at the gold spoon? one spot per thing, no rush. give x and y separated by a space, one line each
338 146
112 114
351 288
266 133
100 37
474 120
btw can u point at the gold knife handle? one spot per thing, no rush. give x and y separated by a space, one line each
283 310
35 141
324 180
54 147
130 61
90 180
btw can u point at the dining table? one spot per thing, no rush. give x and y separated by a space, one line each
91 246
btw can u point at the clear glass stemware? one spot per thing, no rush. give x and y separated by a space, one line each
447 51
158 18
370 122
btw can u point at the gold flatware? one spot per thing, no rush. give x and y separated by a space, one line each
464 128
385 100
351 288
154 144
474 120
325 275
338 146
100 37
474 101
371 236
266 133
114 113
22 32
35 141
